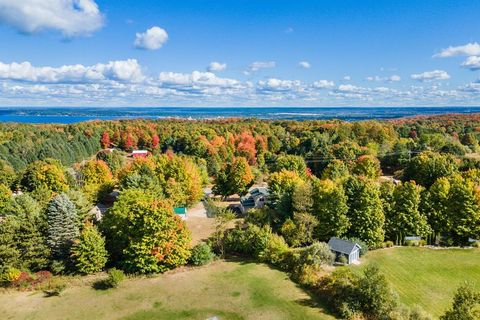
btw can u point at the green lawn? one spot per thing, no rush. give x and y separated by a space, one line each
229 290
427 277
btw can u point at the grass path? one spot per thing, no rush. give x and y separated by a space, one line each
228 290
427 277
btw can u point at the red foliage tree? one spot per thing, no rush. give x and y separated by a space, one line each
155 141
105 141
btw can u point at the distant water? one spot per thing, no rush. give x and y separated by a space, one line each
72 115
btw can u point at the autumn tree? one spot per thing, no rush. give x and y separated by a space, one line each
367 166
45 174
96 179
105 140
144 235
236 178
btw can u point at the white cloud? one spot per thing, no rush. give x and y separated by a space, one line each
289 30
258 65
323 84
152 39
126 70
273 84
347 78
470 49
431 76
304 64
216 66
472 63
349 88
394 78
70 17
196 78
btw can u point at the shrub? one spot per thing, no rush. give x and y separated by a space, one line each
10 275
422 243
201 254
388 244
342 259
115 277
54 287
250 241
275 250
307 275
57 266
318 253
411 243
476 244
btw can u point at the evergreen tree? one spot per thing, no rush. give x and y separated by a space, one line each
30 233
62 226
88 251
365 211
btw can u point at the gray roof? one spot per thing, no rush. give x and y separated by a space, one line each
342 246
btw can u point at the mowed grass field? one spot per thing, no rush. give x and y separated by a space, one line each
227 290
427 277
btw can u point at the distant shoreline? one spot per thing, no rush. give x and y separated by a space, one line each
68 115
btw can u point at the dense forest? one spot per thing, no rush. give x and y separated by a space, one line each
376 182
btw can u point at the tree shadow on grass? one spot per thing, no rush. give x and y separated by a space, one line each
313 300
101 285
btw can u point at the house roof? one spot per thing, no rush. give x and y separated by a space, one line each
342 246
139 151
259 192
247 201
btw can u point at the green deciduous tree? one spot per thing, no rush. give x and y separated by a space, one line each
335 170
466 305
404 218
143 234
291 163
428 166
88 252
330 208
365 211
236 178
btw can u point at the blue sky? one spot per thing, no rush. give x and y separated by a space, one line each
234 53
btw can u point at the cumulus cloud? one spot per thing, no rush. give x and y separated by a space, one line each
258 65
196 78
124 70
304 64
394 78
216 66
431 76
273 84
347 78
323 84
470 49
152 39
70 17
472 63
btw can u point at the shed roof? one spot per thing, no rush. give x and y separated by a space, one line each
180 210
259 192
342 246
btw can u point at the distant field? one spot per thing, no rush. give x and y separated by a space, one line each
229 290
427 277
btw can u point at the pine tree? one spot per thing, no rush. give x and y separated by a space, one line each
62 227
88 251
